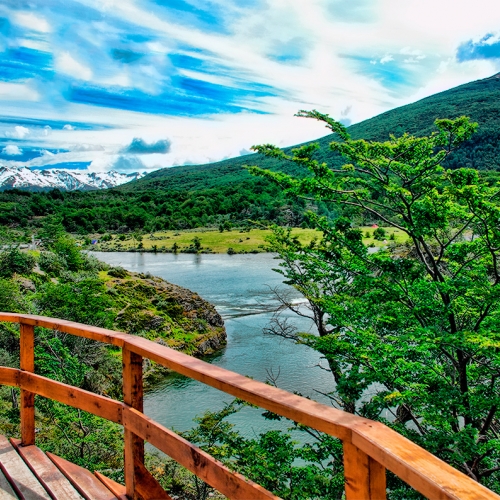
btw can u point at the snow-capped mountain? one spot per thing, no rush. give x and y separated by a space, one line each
68 180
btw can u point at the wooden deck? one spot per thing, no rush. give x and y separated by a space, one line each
370 448
26 472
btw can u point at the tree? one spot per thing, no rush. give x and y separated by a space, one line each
272 459
379 233
410 332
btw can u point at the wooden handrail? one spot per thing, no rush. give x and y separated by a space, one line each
369 447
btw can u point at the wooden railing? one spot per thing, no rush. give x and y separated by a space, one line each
369 447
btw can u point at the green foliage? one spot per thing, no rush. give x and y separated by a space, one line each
90 307
118 272
410 331
13 261
52 228
379 233
51 263
65 248
161 209
11 298
82 438
272 458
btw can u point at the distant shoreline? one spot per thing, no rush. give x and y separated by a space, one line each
212 241
197 241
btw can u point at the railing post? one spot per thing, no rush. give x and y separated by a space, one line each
27 363
132 396
364 477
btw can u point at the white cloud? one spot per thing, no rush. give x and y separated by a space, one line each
67 64
408 51
18 92
35 44
333 73
18 132
87 147
12 150
32 21
119 80
68 127
450 74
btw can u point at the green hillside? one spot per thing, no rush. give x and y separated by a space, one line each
480 100
224 194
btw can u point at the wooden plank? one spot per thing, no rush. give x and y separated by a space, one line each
133 392
72 396
378 479
78 329
19 473
49 476
9 376
83 480
364 478
6 490
417 467
10 317
207 468
27 403
117 489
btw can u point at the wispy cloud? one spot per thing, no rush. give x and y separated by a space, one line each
101 81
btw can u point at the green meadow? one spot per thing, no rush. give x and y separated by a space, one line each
214 241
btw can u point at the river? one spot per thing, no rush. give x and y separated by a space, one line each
240 287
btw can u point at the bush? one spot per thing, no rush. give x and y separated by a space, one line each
379 233
11 298
52 263
66 247
118 272
14 261
92 264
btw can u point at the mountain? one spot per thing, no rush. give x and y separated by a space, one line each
479 100
67 180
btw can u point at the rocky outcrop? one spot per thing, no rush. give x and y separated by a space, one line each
165 313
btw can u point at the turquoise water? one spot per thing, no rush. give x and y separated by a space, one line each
240 287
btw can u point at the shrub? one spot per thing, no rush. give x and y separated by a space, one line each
52 263
118 272
14 261
379 233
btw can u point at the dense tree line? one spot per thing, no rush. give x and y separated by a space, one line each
152 210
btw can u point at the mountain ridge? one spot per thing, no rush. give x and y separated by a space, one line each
480 100
67 180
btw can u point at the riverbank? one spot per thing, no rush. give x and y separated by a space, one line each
236 241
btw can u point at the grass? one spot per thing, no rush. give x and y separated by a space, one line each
392 235
211 241
240 241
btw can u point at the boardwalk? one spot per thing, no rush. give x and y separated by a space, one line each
29 473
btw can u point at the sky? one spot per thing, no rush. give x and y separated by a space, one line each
137 85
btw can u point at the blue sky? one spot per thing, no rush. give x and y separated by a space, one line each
141 85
